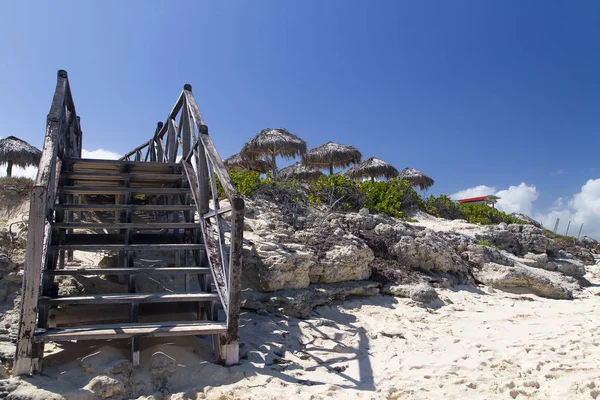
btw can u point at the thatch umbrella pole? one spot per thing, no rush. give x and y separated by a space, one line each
330 168
274 163
9 168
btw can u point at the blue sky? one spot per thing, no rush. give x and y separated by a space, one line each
491 93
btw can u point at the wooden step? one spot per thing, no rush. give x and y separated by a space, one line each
126 298
89 164
117 207
120 177
126 225
128 271
117 247
134 329
121 190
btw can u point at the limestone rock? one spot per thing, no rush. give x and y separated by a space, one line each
105 387
343 263
477 255
566 266
543 283
300 302
431 252
537 260
162 365
283 267
423 294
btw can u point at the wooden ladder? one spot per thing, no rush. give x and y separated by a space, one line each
155 216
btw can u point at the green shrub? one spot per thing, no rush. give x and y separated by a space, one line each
443 207
486 242
392 197
336 191
560 238
486 215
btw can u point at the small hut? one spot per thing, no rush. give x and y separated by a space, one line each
299 171
332 155
372 167
273 142
239 163
416 178
14 151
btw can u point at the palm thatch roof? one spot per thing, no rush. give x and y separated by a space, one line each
416 178
299 171
239 163
19 152
274 142
332 155
372 167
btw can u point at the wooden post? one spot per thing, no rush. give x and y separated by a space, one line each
231 342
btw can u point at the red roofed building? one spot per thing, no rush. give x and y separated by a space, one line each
487 200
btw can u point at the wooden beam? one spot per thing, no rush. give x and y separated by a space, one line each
126 298
126 271
137 329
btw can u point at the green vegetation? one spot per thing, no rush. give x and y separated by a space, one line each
443 207
486 242
485 215
561 238
392 197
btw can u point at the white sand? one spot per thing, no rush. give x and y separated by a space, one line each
483 344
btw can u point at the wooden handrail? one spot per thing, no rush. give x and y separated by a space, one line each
62 139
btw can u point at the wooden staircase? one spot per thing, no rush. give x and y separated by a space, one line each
155 215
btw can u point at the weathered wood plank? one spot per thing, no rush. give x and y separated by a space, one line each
120 177
121 190
137 329
113 207
121 298
127 225
235 282
126 271
221 210
117 247
31 281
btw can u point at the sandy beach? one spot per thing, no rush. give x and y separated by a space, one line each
481 344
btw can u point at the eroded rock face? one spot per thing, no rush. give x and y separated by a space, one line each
283 266
521 239
431 252
343 263
543 283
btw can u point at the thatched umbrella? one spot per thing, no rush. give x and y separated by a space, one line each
372 167
16 151
416 178
274 142
238 163
332 154
299 171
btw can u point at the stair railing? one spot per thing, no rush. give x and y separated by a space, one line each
203 166
62 141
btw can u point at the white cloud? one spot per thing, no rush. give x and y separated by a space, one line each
476 191
100 154
558 172
517 199
582 208
27 172
514 199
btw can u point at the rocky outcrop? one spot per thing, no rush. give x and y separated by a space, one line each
520 239
542 283
527 218
296 264
300 302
